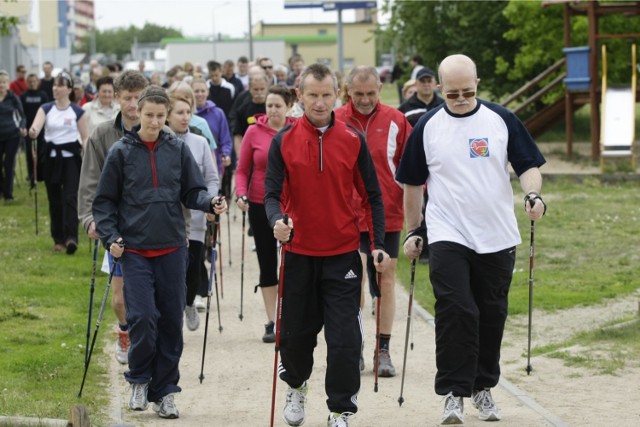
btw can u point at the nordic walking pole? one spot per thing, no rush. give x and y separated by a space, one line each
34 154
285 219
244 220
531 259
93 287
100 313
406 335
219 241
379 297
213 278
229 235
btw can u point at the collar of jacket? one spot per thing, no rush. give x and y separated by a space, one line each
310 126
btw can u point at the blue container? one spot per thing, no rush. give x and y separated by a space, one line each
578 76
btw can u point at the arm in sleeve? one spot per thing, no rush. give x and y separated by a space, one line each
206 132
18 106
274 181
401 139
367 185
193 191
92 162
224 135
210 171
413 168
107 198
245 163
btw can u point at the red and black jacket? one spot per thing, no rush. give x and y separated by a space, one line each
386 131
311 176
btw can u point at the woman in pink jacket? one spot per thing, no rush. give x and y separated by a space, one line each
250 175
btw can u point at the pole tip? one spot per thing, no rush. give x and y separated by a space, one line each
401 400
529 369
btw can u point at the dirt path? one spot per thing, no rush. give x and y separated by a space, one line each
238 371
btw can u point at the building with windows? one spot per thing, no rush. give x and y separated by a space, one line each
319 42
48 30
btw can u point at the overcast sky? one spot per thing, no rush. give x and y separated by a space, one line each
202 18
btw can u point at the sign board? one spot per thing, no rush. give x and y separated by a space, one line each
331 5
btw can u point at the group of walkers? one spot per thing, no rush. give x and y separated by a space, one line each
332 185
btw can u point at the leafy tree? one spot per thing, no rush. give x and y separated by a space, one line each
436 29
119 41
511 42
8 22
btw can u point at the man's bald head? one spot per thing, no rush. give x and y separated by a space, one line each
458 83
456 64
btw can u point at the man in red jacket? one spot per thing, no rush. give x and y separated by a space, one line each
19 85
387 131
313 167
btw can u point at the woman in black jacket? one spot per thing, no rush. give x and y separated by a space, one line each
12 127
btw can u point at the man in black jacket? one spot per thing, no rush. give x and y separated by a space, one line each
31 100
424 99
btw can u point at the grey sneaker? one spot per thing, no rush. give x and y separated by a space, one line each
200 304
385 367
293 413
453 410
269 333
122 346
193 318
166 407
484 403
339 420
138 401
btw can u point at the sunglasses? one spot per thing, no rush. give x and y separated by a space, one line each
465 94
267 67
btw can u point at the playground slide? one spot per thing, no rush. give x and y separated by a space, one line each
618 116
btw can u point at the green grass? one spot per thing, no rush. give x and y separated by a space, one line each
611 348
44 301
585 247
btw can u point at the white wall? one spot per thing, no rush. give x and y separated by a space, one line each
220 51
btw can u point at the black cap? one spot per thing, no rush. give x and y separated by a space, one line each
424 72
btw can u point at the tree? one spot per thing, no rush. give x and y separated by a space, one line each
119 41
436 29
8 22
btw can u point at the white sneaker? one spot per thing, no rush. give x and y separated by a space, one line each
453 410
193 318
200 304
122 346
484 403
339 420
293 413
166 407
138 400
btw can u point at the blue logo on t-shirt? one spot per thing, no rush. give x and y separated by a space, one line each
478 147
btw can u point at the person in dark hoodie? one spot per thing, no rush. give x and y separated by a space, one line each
31 100
146 176
10 132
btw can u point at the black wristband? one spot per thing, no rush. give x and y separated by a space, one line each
531 198
420 232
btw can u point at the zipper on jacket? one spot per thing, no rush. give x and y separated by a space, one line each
153 169
320 150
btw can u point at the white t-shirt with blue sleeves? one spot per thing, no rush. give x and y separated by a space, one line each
464 160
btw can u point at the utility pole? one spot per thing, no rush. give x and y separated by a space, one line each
250 33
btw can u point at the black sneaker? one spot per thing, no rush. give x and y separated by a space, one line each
72 247
269 333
